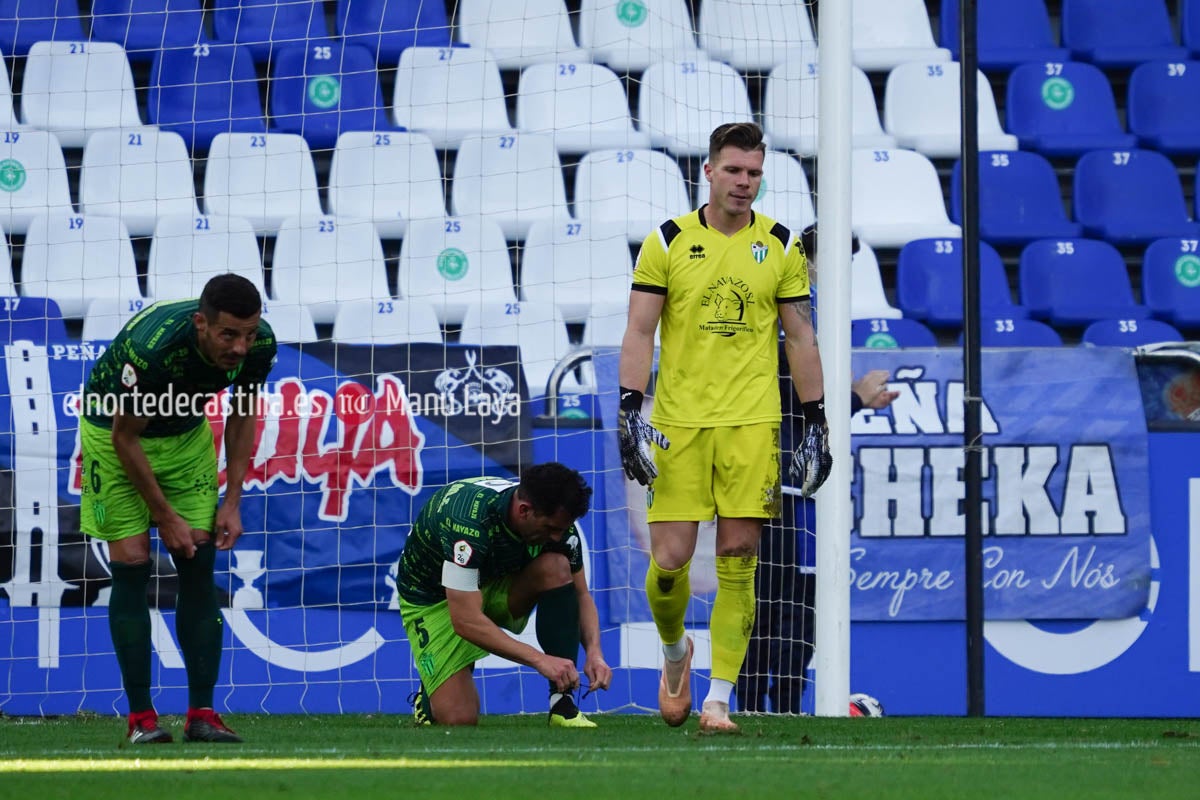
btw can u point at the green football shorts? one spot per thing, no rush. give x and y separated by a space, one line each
438 651
185 467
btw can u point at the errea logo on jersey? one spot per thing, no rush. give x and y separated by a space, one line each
462 553
128 376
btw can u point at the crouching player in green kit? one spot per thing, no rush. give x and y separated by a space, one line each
148 459
482 553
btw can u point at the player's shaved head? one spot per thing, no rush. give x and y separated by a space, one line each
554 487
232 294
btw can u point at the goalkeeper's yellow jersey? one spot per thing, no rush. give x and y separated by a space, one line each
719 362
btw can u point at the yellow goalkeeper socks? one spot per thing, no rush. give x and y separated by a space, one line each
732 615
668 592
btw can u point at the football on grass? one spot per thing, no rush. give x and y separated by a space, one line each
863 705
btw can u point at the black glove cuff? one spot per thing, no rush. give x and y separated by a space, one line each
814 412
631 399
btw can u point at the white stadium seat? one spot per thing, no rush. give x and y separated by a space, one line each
790 107
519 32
897 197
583 106
106 316
321 262
784 195
513 180
448 93
33 178
680 102
74 88
74 259
187 251
576 264
921 109
638 189
753 35
632 36
292 324
867 297
537 329
890 32
262 177
605 325
8 116
7 287
449 264
139 175
388 178
386 322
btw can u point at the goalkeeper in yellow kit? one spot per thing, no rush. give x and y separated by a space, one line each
720 281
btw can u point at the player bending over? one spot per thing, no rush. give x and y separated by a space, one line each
481 555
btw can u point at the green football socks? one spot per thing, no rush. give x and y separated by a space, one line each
198 624
129 623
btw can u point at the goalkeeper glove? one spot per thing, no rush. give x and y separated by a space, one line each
634 435
812 460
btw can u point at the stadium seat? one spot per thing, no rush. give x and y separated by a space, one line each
921 109
35 319
386 322
291 324
867 296
1129 332
783 195
202 92
790 108
1163 108
576 264
511 180
1074 282
753 35
1171 281
929 282
583 106
320 262
1016 332
629 37
1064 109
138 175
143 27
1130 196
537 329
449 93
7 287
74 259
1009 33
1189 26
33 178
264 178
187 251
106 316
8 115
680 102
1019 199
1119 33
74 88
637 189
887 334
388 27
519 33
890 32
321 88
265 25
23 22
455 262
388 178
897 197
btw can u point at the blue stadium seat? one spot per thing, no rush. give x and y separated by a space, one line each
1129 332
1010 32
1190 26
201 92
1171 281
1119 33
1130 196
1019 199
890 333
23 22
143 27
1073 282
1163 108
322 88
264 25
1064 109
1015 332
34 318
387 27
929 282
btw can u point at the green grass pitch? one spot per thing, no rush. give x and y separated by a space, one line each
628 757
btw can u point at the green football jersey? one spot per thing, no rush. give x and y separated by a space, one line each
154 368
465 523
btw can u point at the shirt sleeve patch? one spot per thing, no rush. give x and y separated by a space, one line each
462 553
129 376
